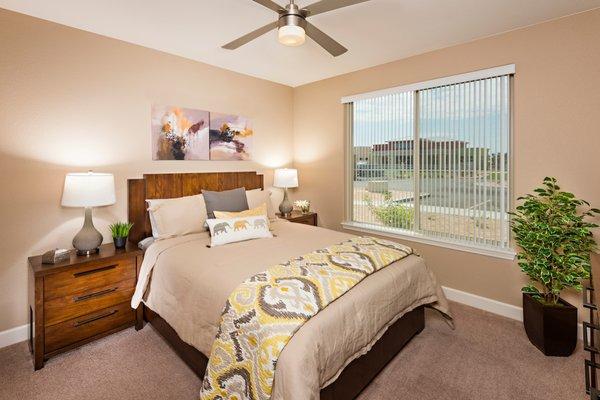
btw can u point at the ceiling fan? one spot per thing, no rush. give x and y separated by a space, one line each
293 27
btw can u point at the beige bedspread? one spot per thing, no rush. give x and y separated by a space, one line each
187 284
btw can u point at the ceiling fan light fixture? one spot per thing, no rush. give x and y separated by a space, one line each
292 35
293 27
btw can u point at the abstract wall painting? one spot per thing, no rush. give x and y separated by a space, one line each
230 137
180 133
186 134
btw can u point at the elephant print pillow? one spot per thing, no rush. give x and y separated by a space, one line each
231 230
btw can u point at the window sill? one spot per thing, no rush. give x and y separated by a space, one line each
506 254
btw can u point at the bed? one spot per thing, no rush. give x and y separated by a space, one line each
334 355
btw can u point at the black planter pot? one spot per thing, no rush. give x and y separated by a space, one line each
551 328
120 242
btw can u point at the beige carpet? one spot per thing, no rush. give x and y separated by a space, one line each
486 357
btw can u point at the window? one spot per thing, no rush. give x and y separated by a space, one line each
432 161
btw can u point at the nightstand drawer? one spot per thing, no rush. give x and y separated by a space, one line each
88 277
81 328
60 309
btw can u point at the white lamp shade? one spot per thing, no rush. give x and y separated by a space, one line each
285 178
88 190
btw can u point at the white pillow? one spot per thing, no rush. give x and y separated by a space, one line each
177 217
257 197
231 230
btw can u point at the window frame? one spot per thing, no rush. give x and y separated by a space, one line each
412 235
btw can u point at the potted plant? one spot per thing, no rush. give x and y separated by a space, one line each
554 234
120 232
303 206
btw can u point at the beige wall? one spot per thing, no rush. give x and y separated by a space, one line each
556 120
71 100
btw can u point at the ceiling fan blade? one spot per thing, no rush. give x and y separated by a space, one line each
329 5
324 40
270 5
250 36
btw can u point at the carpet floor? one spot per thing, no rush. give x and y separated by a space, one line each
485 357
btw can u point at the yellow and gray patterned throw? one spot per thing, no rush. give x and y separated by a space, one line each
263 313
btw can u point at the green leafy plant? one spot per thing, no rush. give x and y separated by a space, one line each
391 213
120 229
554 233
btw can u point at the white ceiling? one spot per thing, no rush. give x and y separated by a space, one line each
375 32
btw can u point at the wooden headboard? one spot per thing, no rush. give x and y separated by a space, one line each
167 186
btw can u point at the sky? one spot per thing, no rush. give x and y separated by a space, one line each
475 112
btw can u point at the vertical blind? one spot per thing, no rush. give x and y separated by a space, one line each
434 161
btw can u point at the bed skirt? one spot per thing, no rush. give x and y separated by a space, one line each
354 378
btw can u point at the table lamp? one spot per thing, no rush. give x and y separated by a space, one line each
285 178
88 190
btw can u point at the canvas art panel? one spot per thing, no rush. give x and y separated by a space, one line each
231 137
180 133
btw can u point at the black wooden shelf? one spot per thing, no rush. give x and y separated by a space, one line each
591 332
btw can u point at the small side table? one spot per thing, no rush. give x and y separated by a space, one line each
80 299
310 218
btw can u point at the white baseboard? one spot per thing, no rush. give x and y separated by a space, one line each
20 333
14 335
490 305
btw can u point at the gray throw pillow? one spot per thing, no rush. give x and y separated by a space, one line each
227 200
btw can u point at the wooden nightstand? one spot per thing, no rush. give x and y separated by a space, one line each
81 299
309 218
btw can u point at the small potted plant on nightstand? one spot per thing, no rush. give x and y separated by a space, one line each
120 232
303 206
554 234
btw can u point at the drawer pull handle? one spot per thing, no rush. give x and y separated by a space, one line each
93 271
95 294
96 318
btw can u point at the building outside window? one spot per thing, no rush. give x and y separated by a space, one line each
432 160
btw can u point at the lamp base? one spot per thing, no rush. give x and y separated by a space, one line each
88 252
286 207
88 239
